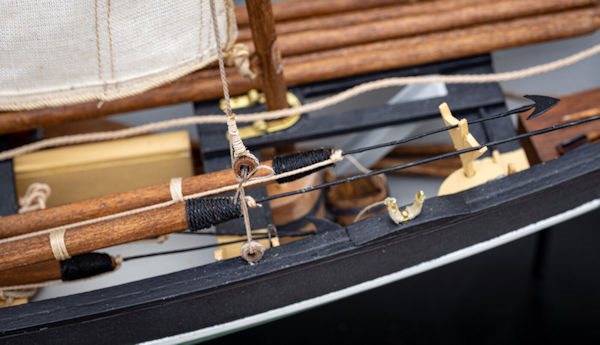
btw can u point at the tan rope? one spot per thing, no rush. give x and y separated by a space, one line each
239 56
237 145
309 107
368 208
58 246
358 165
35 197
176 189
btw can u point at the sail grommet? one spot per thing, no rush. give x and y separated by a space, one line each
252 252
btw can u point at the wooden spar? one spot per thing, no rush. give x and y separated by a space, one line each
30 274
338 20
37 273
516 32
312 41
438 47
287 10
346 62
88 238
18 224
267 51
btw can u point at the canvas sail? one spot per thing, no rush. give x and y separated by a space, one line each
69 51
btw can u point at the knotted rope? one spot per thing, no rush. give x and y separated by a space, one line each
35 197
239 57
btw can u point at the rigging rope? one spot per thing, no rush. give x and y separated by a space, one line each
243 163
313 106
336 156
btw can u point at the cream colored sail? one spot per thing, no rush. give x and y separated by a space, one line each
68 51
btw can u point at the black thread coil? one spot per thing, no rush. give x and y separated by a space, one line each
202 213
85 266
297 160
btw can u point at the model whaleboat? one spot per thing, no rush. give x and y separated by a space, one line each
286 200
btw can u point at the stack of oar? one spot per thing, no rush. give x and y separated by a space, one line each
325 39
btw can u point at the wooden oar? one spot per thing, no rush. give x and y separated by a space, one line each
340 20
78 267
18 224
287 10
334 38
85 239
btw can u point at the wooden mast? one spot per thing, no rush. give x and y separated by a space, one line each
262 25
266 47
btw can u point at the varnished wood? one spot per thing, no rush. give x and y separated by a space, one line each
30 274
88 238
19 224
404 52
350 198
441 168
543 147
267 50
36 273
287 10
350 61
329 39
338 20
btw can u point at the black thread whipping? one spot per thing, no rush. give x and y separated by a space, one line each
297 160
85 265
202 213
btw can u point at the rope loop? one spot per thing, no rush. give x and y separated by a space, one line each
35 197
239 57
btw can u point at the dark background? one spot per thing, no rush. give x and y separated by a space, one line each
542 289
